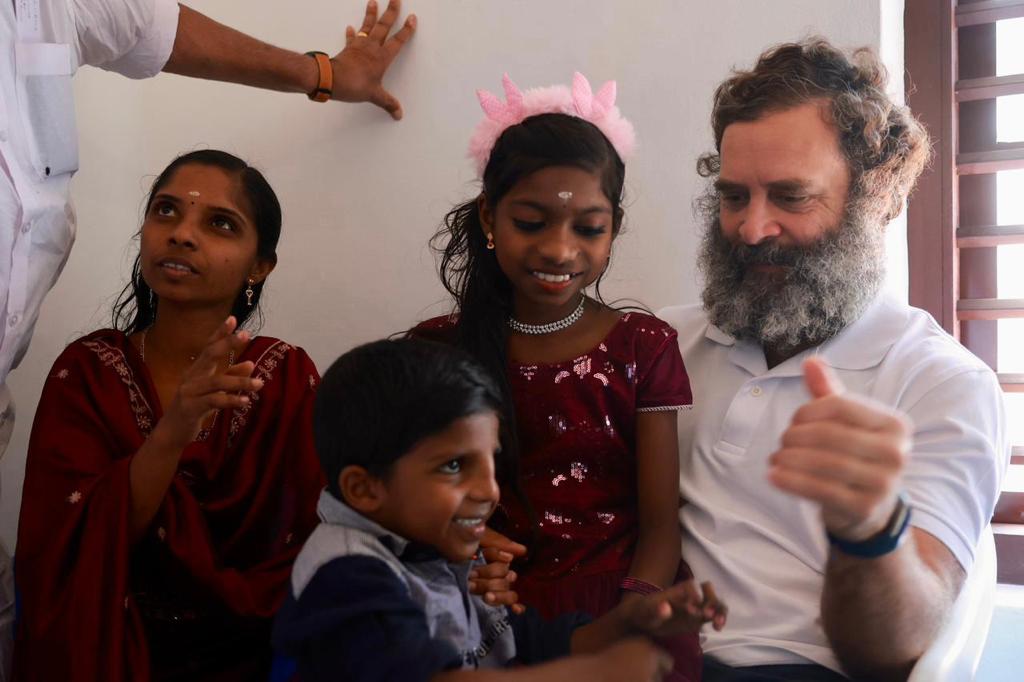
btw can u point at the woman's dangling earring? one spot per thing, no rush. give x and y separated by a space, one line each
490 241
249 292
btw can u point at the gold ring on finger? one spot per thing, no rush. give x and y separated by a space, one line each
363 34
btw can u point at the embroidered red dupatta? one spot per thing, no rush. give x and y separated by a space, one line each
230 526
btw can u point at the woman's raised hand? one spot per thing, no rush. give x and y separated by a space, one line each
211 384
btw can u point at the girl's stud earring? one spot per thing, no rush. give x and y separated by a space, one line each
490 241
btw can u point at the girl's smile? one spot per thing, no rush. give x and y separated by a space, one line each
551 247
555 283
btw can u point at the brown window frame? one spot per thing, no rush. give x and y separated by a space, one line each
952 233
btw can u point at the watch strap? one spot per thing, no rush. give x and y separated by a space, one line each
324 88
882 542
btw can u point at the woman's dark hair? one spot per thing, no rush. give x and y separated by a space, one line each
378 400
470 272
135 308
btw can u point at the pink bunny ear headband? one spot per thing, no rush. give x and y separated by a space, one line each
597 108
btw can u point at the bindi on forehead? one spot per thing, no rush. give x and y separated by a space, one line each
559 205
195 180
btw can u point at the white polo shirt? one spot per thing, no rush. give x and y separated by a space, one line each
765 550
43 42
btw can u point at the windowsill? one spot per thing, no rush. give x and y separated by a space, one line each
1009 596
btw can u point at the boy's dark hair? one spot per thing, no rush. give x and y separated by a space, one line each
379 399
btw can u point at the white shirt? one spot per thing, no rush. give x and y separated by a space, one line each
38 140
766 550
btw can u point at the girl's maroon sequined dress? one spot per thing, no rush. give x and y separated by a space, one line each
577 436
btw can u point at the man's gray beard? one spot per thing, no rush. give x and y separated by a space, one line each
826 286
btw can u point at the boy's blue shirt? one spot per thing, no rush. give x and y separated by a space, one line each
367 604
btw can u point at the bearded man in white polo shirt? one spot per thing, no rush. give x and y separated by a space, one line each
844 453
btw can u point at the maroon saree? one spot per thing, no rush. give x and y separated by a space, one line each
194 598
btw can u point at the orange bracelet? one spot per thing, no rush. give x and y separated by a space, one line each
323 90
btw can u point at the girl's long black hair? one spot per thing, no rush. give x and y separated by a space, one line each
470 272
135 308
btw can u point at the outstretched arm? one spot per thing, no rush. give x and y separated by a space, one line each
657 554
204 48
634 659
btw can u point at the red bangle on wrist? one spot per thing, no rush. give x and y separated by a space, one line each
630 584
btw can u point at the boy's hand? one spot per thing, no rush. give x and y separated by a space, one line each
494 581
631 659
680 609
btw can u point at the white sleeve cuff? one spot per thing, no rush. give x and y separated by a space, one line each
955 541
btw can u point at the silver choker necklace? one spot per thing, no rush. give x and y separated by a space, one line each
538 329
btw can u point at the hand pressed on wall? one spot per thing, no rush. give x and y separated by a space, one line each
359 68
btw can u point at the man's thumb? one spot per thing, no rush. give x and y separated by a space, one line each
820 379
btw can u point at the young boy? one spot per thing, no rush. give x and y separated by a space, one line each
408 433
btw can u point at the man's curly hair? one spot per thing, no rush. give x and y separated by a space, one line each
886 148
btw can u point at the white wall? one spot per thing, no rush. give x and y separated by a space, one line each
362 195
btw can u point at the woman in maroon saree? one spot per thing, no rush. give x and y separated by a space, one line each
171 477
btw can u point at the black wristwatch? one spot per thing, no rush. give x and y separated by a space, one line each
882 542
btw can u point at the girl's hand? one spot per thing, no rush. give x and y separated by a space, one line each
635 658
494 581
207 387
680 609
